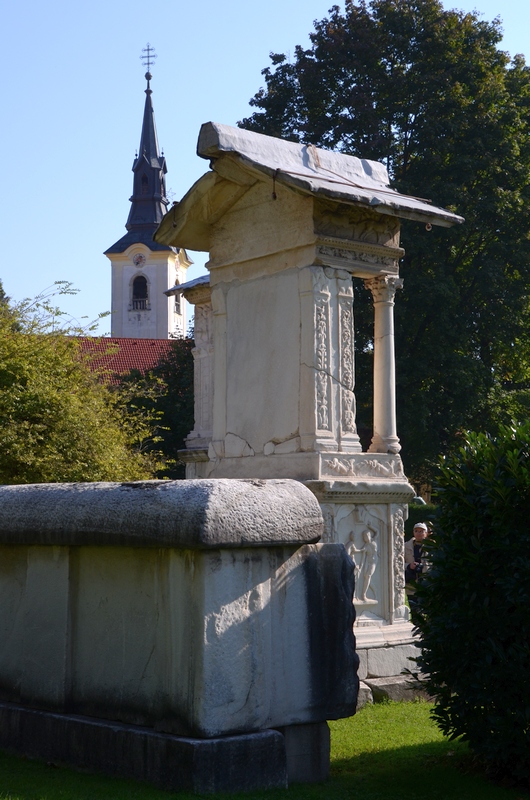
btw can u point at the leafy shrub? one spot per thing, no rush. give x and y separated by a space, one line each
58 420
475 602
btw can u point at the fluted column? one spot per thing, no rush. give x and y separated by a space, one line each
385 438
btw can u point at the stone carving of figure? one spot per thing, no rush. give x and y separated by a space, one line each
365 564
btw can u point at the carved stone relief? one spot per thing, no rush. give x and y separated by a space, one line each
360 528
398 558
351 257
384 287
202 327
322 354
365 560
347 379
364 467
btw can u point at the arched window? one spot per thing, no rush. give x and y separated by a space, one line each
140 297
145 184
178 303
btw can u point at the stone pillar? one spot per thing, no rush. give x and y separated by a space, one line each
198 293
327 421
385 438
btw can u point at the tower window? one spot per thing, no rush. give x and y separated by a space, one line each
178 302
140 296
145 184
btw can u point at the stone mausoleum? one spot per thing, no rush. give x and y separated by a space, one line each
288 227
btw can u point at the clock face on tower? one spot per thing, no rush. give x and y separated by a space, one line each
138 260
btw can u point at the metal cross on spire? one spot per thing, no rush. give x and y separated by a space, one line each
148 56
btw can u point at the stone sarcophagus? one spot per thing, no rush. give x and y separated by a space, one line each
170 613
288 228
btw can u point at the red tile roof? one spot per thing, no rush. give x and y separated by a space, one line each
120 355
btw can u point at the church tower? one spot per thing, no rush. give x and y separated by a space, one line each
143 270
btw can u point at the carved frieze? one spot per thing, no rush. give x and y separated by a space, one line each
364 467
358 257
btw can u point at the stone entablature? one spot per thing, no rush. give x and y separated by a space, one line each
358 258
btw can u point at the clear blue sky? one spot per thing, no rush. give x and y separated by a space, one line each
73 103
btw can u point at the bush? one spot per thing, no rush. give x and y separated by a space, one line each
58 420
475 602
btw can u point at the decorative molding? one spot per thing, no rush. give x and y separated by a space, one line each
398 526
351 253
365 467
322 341
348 410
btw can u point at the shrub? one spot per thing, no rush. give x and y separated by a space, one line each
475 602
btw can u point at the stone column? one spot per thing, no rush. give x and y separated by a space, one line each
385 439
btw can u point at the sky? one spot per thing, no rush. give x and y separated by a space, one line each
73 104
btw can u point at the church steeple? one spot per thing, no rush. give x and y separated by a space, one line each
142 269
148 201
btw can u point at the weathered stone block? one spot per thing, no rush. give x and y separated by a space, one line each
197 608
386 661
399 688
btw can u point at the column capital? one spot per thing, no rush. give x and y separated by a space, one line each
384 287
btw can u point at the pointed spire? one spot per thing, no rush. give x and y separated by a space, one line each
149 201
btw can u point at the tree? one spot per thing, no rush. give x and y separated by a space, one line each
428 91
166 392
474 601
58 421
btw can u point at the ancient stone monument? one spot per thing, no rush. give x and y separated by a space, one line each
193 634
287 227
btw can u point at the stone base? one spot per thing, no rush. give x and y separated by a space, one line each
248 762
387 650
307 749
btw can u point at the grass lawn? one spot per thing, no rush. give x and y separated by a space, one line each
389 751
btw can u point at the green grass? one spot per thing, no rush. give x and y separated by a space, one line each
390 751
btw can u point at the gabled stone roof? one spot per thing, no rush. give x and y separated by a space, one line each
239 158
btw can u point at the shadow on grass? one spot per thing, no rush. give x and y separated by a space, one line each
433 771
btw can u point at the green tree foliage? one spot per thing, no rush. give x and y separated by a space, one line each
166 392
475 624
429 92
58 421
